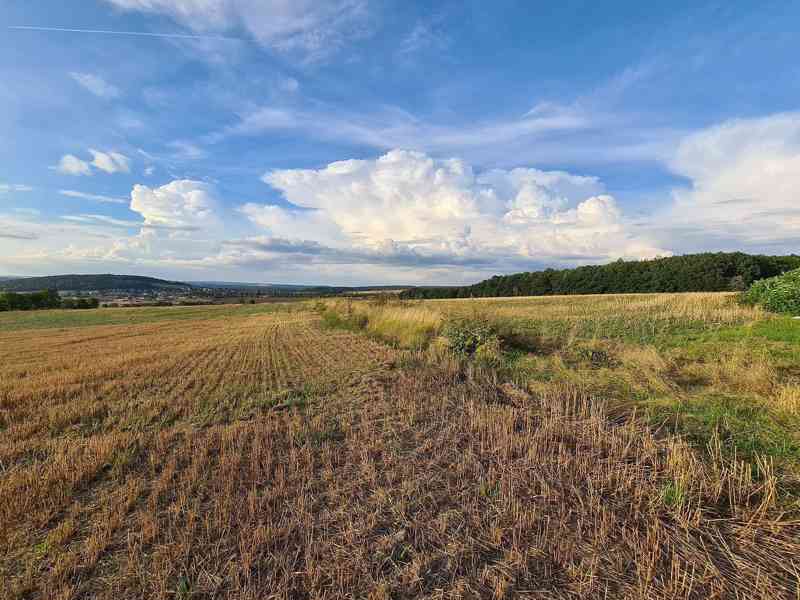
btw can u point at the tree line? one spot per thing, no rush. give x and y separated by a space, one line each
43 300
706 272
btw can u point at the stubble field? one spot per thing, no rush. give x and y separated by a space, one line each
252 452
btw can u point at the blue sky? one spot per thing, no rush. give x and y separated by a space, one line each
358 141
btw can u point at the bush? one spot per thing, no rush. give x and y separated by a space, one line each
466 335
489 353
335 320
778 294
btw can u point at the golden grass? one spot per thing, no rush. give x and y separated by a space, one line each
153 461
407 326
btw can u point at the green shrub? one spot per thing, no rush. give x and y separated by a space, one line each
336 320
489 353
466 335
778 294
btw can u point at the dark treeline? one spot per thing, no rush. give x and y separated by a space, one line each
91 283
43 300
708 272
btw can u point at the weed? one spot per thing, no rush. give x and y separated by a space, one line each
674 494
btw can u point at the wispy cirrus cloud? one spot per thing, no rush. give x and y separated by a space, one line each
93 197
312 28
14 235
96 85
14 187
395 128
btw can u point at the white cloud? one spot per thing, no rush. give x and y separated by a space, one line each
72 165
406 208
180 204
148 171
96 85
110 162
315 28
745 177
180 229
95 197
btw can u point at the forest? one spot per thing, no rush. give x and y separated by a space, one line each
42 300
706 272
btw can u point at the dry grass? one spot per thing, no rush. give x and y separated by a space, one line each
634 316
151 461
410 326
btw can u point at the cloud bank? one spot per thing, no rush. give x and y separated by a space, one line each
408 216
407 207
745 177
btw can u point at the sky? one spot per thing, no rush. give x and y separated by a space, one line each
360 142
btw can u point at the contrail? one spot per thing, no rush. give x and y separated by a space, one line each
114 32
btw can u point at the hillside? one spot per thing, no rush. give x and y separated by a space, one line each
88 283
707 272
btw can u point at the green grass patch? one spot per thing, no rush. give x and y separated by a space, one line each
673 494
745 426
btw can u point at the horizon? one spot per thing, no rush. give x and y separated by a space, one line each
333 285
358 143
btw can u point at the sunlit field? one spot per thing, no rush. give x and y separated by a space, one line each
637 446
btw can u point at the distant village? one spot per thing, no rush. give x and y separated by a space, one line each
181 297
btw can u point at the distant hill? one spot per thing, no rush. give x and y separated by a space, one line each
707 272
89 283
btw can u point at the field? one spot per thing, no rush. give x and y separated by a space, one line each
615 447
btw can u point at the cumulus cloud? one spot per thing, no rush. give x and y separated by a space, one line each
181 204
744 175
96 85
406 207
313 27
72 165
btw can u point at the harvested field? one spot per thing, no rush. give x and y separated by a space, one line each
260 455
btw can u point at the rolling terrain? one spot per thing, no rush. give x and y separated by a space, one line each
89 283
641 446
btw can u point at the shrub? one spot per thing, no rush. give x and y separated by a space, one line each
778 294
352 321
466 335
489 353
